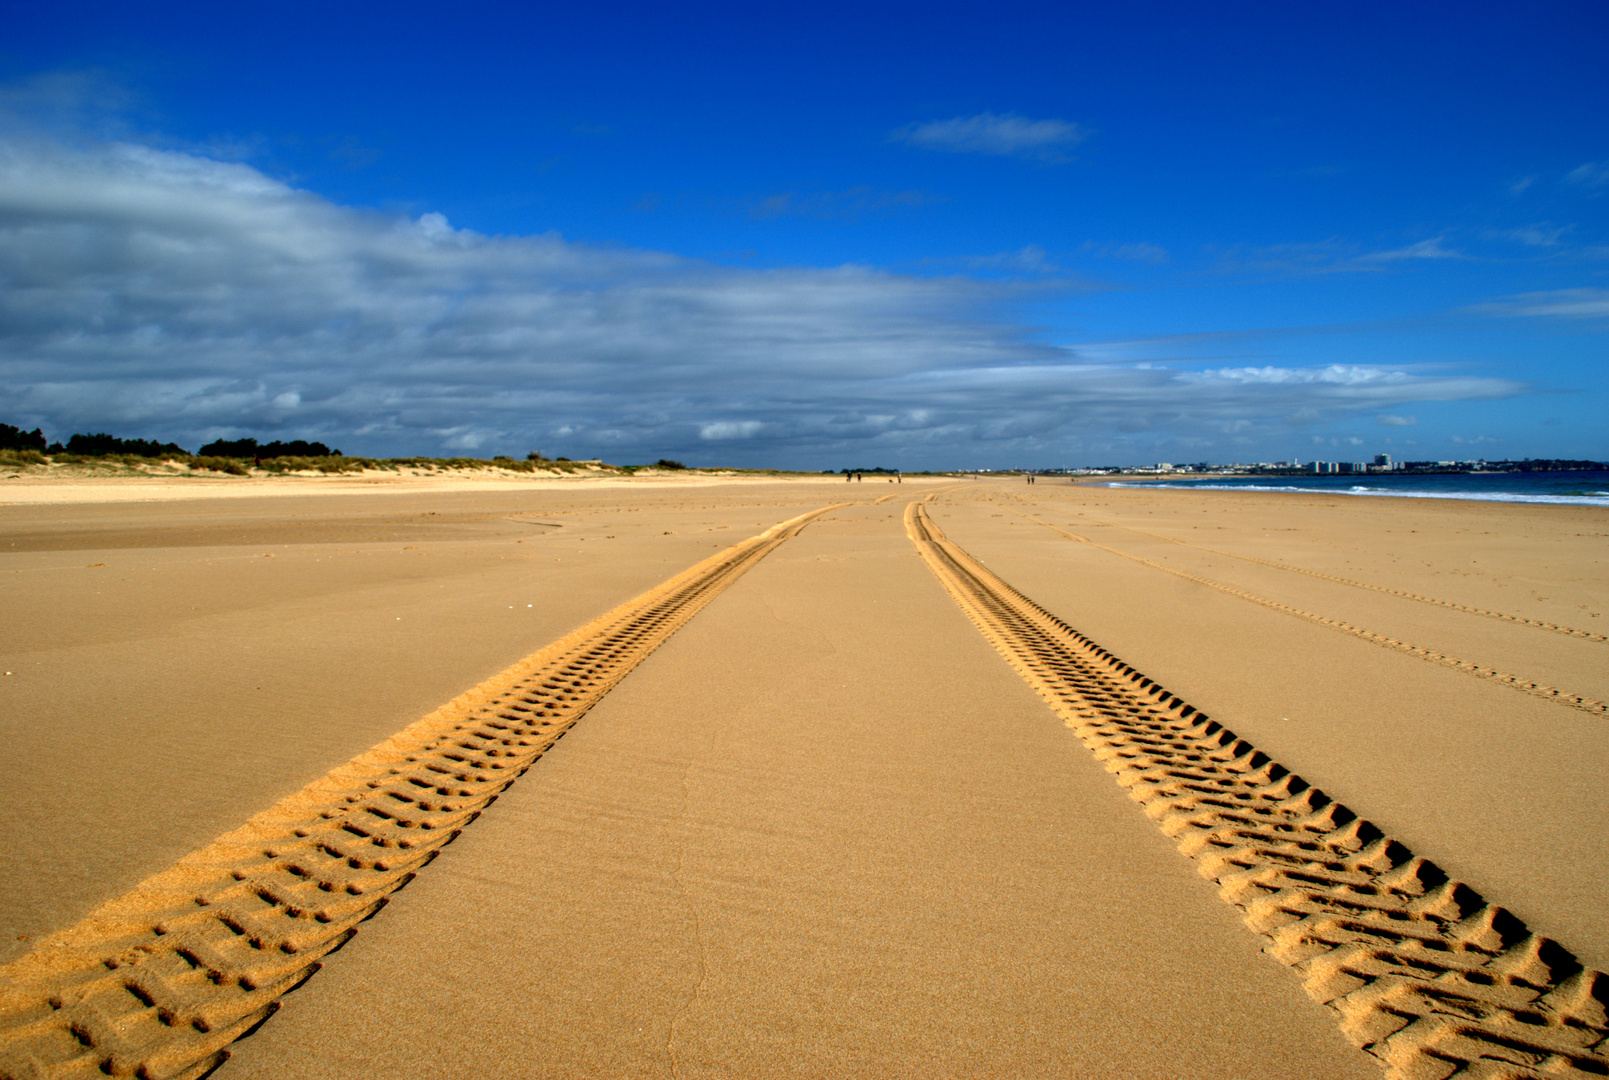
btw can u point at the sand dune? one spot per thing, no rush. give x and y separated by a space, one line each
823 829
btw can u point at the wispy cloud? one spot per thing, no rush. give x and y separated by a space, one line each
1355 382
1139 251
1332 256
1300 258
1543 234
1434 248
1030 259
1388 420
998 134
838 205
1591 175
1570 303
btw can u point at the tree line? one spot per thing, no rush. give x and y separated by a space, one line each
100 444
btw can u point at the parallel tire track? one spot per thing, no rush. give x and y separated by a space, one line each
1591 706
1419 969
159 982
1557 628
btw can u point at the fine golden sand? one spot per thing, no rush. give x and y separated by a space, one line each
824 829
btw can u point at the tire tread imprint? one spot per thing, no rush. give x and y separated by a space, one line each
159 982
1419 970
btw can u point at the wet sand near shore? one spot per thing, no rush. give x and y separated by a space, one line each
824 830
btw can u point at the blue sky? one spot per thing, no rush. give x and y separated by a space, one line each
909 235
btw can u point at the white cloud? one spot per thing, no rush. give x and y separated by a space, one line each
167 295
1353 383
434 226
1387 420
730 429
997 134
1570 303
462 438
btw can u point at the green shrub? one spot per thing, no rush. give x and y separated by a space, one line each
219 464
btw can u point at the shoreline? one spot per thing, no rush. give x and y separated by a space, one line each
1365 488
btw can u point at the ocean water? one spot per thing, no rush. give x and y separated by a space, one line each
1578 488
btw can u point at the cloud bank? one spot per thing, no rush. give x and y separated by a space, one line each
168 295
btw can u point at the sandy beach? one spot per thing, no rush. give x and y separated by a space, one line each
823 827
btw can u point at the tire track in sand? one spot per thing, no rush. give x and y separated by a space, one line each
157 983
1557 628
1591 706
1420 970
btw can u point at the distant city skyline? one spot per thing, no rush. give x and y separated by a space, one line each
925 237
